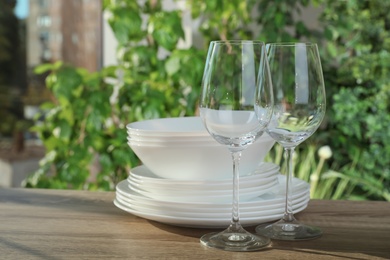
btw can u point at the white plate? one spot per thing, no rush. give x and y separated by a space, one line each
202 213
199 191
218 208
262 179
245 214
202 222
143 174
299 189
218 196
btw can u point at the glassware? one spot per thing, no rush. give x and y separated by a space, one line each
299 108
227 106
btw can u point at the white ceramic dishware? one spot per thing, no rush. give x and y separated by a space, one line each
168 127
191 160
210 215
267 207
213 196
300 188
141 175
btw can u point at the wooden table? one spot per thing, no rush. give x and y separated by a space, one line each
65 224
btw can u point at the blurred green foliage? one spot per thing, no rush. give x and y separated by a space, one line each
357 72
154 79
86 127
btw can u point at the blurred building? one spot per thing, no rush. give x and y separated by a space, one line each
67 30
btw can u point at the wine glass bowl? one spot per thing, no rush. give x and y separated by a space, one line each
299 108
231 91
236 129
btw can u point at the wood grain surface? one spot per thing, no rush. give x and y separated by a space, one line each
65 224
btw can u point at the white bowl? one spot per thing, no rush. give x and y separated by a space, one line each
173 142
193 160
175 126
149 138
199 162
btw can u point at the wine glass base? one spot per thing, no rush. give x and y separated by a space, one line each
284 230
239 241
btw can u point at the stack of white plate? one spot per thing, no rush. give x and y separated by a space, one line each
207 204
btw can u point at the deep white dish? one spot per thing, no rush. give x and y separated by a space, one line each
188 159
175 126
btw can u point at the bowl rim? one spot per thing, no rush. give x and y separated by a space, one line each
209 143
170 145
134 126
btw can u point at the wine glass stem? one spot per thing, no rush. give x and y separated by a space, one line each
235 223
288 212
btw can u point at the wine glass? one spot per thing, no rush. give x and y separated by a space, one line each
299 108
227 109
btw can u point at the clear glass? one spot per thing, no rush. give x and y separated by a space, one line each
299 108
227 108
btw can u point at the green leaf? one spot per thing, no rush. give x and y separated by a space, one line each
65 131
126 24
166 29
172 65
279 20
40 69
332 49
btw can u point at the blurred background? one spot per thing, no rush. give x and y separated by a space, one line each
73 73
